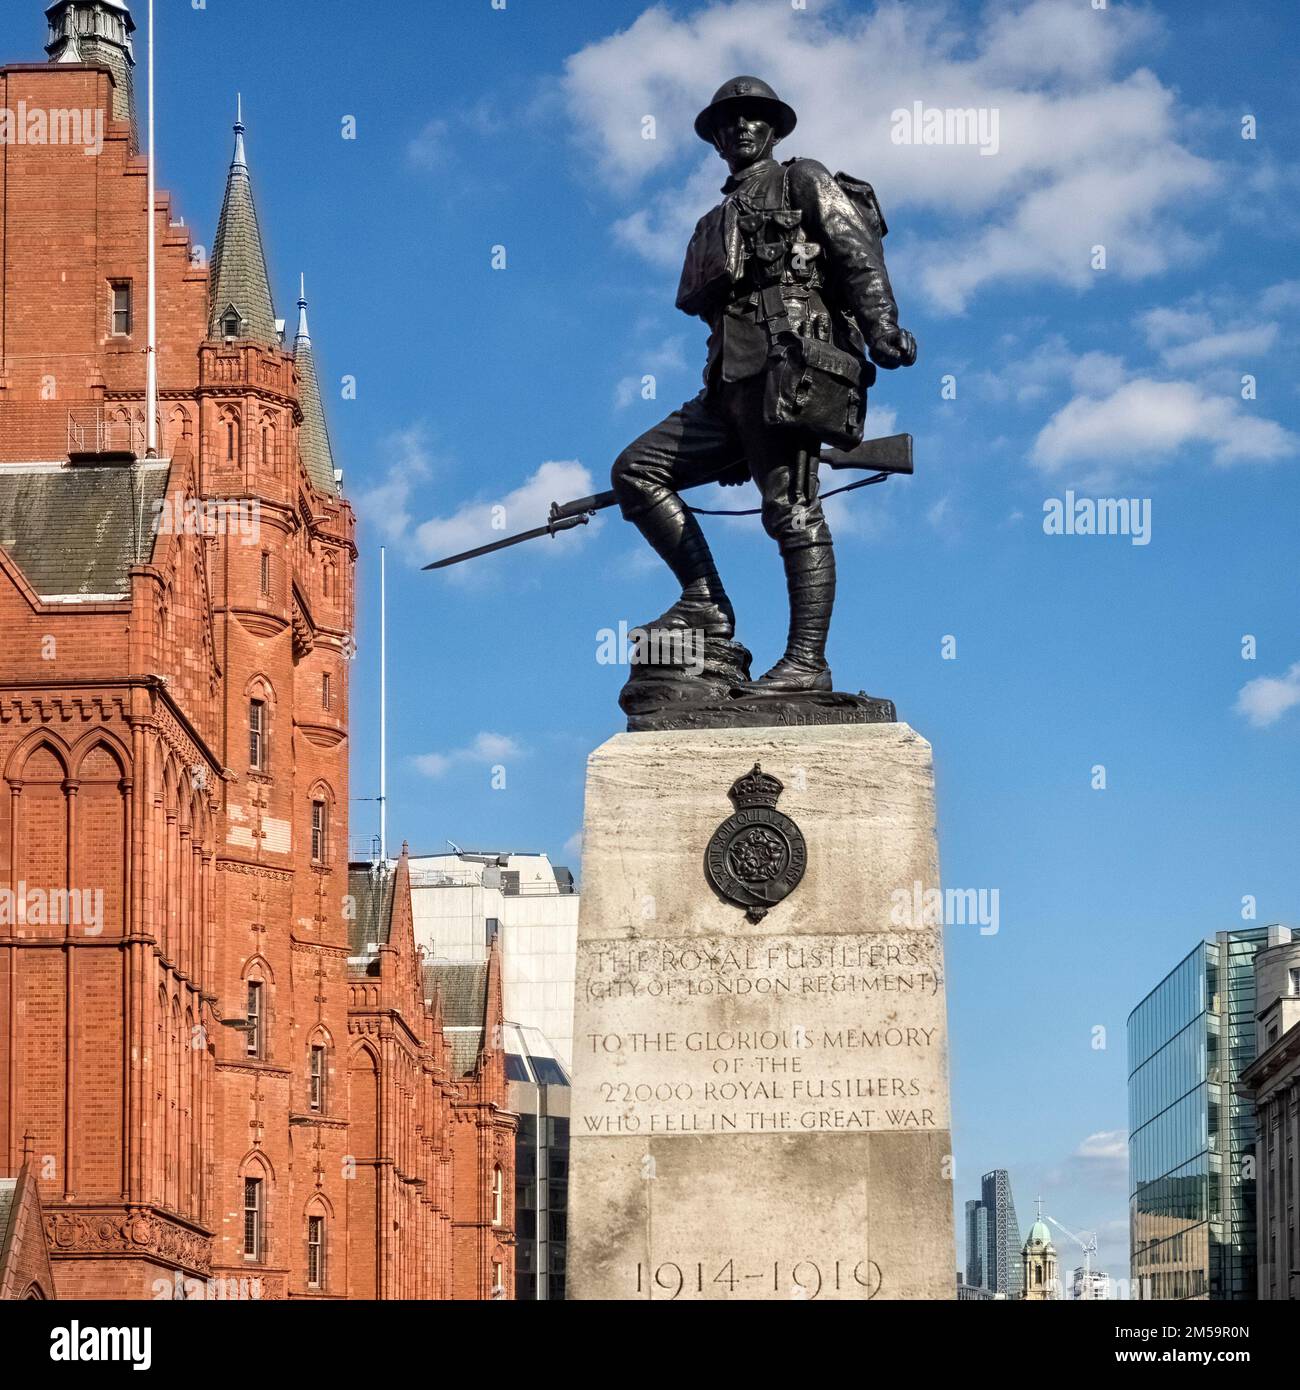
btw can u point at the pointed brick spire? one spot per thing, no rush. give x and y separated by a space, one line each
314 437
240 290
98 31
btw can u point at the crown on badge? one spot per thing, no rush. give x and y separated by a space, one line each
756 788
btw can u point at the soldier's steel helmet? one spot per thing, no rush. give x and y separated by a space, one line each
750 89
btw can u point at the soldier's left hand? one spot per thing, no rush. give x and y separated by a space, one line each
895 347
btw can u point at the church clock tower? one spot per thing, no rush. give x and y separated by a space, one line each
1038 1259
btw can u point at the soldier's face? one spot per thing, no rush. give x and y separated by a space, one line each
743 136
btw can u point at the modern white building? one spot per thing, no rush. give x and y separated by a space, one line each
1090 1284
462 900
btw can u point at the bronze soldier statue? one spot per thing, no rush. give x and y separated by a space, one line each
789 274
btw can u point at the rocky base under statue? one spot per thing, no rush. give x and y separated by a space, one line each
692 686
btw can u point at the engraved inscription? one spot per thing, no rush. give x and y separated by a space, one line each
769 1035
796 1279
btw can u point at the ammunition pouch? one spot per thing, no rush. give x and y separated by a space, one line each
815 387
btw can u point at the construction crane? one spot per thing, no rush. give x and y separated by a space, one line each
1087 1242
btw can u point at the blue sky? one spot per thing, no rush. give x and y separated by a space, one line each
480 127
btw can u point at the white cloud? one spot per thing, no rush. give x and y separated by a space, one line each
882 421
1108 1148
1266 699
669 356
1188 339
1051 363
429 149
481 522
386 506
1281 297
942 517
1090 149
573 845
1219 347
485 748
1097 371
663 359
1164 325
432 764
1144 422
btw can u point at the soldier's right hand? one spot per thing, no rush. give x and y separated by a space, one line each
895 347
737 474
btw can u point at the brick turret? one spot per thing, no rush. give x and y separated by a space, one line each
99 32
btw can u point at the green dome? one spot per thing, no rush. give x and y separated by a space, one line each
1039 1234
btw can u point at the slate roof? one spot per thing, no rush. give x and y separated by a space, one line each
8 1187
464 991
238 273
463 987
314 437
76 529
373 894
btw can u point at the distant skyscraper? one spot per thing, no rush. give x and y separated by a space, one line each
993 1237
977 1227
1191 1191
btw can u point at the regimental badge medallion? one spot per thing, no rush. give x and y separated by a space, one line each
756 856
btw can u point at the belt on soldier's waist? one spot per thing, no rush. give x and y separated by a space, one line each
794 291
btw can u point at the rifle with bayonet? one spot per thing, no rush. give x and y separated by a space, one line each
882 457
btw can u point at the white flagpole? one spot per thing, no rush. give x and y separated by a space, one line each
151 350
383 706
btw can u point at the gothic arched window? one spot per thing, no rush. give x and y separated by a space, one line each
230 430
268 445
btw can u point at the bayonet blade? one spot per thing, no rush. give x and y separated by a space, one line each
550 529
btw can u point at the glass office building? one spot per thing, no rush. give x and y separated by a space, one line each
539 1095
1191 1136
993 1238
977 1226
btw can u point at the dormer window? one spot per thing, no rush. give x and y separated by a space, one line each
230 323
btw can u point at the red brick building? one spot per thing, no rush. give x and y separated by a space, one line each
228 1055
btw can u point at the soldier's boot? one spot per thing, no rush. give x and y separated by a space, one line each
676 536
810 579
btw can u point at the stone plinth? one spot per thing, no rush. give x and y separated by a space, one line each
760 1108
